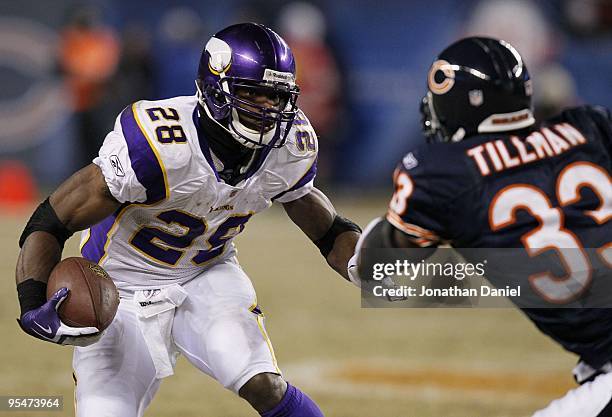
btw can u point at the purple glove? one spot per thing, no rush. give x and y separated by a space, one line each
44 323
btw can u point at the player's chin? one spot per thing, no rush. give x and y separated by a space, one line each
256 124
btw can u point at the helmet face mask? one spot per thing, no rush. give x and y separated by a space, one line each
246 83
431 127
476 85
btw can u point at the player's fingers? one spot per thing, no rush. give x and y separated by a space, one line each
353 272
78 331
58 298
81 341
354 276
388 282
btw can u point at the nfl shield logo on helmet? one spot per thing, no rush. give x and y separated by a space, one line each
528 88
476 97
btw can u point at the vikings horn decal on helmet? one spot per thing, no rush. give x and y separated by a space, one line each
476 85
249 57
220 56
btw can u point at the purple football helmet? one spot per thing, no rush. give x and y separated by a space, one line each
249 57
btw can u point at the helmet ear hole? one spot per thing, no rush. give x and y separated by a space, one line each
215 94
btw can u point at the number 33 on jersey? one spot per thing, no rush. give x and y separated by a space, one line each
549 191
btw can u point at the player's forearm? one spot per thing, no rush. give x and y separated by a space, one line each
334 235
313 214
343 250
81 201
39 254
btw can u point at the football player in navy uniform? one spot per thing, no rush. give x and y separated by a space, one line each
174 182
490 176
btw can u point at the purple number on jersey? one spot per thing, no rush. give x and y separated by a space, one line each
170 253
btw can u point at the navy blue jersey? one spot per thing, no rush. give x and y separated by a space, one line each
547 190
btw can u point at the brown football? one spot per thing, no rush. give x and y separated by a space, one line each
93 298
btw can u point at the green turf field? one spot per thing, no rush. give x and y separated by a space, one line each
354 362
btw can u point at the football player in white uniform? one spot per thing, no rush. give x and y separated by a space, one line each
175 181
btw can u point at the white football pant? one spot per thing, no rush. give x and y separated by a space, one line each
217 328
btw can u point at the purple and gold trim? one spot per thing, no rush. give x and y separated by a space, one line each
145 159
259 316
95 247
203 142
306 178
206 149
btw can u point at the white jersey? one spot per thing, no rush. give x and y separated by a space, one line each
178 216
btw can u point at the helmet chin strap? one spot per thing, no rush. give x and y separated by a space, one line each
234 135
252 134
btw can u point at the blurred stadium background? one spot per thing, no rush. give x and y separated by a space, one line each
68 67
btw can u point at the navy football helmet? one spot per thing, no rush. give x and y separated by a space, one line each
251 58
476 85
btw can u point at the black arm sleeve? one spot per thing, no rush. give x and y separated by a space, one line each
45 219
339 226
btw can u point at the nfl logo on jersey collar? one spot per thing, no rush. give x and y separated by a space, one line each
410 161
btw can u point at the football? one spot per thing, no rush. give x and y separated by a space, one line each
93 298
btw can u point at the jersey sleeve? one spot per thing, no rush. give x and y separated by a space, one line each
130 163
412 209
594 121
302 187
301 161
603 116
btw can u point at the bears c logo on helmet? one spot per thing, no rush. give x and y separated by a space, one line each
445 85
